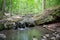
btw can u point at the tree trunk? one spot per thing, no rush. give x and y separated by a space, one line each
11 7
3 6
43 5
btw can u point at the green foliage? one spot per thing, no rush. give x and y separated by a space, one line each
0 5
52 3
28 6
24 6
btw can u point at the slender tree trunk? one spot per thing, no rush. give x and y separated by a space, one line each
43 5
11 7
3 6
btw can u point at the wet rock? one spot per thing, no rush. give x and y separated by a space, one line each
57 36
2 37
47 35
53 38
34 38
24 24
43 39
18 24
45 26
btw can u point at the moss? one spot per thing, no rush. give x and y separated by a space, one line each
44 19
8 26
56 12
48 15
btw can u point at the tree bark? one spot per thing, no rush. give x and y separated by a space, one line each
3 6
11 7
43 5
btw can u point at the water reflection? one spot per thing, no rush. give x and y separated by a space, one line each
22 35
26 34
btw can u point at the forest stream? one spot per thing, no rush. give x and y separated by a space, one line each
26 34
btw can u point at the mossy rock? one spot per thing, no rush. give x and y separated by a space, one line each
8 25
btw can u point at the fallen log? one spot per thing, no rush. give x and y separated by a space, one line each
47 16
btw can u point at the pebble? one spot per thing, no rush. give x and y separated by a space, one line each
53 38
47 35
44 26
44 37
35 39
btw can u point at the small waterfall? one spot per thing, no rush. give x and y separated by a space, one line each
23 26
25 23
